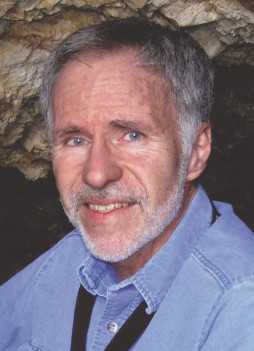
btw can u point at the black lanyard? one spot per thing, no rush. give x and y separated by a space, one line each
215 213
82 316
125 337
127 334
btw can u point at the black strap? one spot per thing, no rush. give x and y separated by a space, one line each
131 329
125 337
215 213
82 316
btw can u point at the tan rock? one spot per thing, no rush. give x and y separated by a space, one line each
119 10
190 13
136 4
208 39
30 29
6 6
95 3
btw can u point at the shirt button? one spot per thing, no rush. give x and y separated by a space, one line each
112 327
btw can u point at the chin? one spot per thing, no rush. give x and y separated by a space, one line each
111 251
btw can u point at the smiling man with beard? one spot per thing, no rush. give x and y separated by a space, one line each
153 264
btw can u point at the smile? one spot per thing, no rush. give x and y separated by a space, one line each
106 208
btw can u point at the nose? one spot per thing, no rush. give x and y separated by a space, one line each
101 167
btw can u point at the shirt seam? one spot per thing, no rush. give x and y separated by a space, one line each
210 319
37 348
220 276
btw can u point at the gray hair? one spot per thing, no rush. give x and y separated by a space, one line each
182 63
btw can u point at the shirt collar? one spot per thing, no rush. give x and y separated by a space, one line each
156 277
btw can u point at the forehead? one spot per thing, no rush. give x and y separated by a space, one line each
109 83
112 67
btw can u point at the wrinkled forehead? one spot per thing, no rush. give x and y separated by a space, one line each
121 57
121 70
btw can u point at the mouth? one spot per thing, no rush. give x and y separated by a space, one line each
107 208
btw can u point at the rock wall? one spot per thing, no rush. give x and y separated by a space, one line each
29 30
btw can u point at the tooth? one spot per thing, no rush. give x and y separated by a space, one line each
107 208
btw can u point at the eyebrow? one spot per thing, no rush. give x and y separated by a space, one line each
67 131
125 124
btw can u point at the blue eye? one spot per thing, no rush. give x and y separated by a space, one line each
76 141
133 136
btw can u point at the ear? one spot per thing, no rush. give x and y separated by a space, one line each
200 153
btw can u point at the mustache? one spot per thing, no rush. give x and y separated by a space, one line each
86 193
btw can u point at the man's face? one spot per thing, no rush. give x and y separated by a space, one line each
116 154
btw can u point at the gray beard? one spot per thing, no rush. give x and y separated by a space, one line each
157 219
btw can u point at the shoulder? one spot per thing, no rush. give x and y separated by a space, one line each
30 294
69 249
54 265
224 265
227 249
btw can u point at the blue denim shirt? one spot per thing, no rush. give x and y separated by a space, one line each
201 283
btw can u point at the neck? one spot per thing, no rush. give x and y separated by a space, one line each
127 268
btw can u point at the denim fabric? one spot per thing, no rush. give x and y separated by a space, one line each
201 283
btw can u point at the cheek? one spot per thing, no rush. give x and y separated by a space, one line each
68 161
162 176
67 171
61 177
157 175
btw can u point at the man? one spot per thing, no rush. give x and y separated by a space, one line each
153 264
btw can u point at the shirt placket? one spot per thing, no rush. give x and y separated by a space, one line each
117 310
